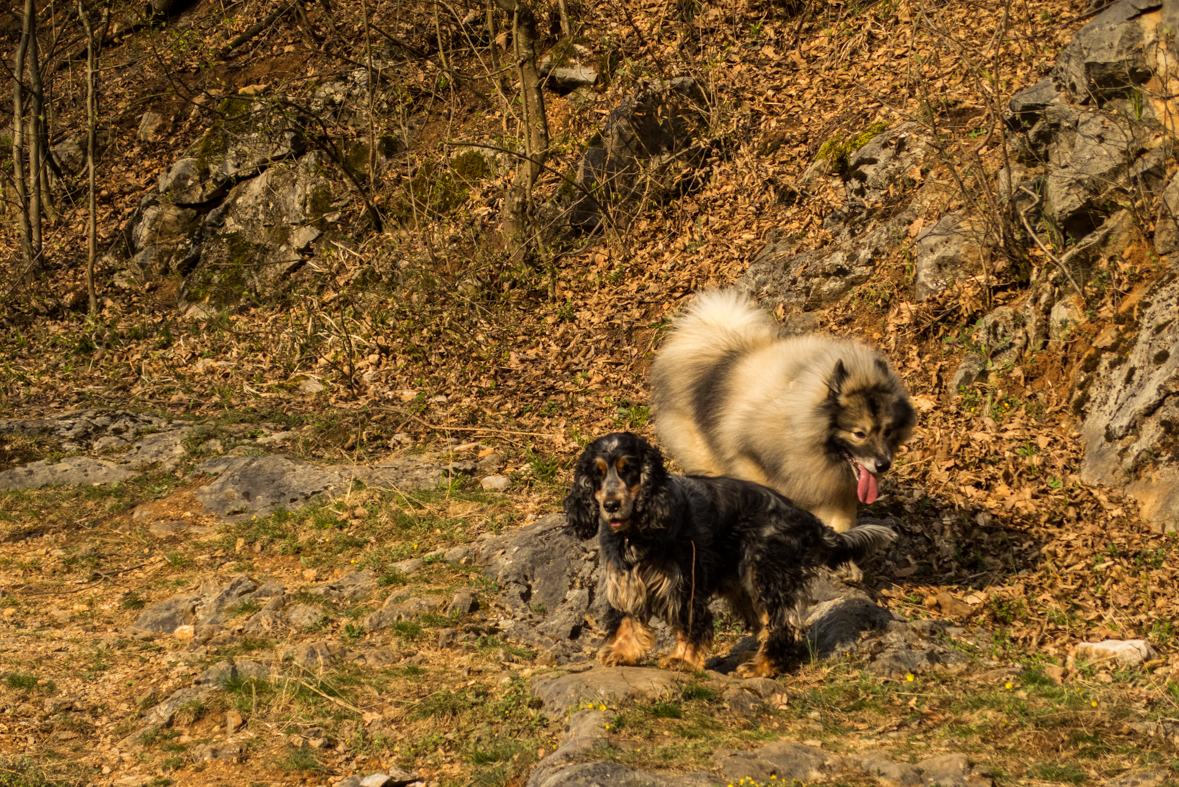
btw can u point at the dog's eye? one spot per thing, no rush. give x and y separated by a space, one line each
859 434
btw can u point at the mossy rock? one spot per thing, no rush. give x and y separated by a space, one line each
838 150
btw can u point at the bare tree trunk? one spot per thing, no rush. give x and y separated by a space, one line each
92 45
566 28
18 138
39 193
518 203
372 89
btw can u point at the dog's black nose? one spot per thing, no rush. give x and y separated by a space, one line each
610 506
882 465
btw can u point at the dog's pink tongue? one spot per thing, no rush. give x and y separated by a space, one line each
867 488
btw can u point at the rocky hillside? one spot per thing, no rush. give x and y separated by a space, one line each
281 509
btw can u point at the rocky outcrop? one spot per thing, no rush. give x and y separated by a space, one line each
1093 137
1089 148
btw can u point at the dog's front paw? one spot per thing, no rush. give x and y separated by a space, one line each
612 657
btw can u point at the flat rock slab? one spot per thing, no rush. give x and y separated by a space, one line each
613 774
560 693
260 485
584 732
73 471
162 450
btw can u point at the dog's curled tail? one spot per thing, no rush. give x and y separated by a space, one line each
858 543
715 313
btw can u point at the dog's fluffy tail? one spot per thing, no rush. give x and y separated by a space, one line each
717 313
858 543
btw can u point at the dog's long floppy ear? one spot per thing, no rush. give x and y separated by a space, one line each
837 379
654 498
581 510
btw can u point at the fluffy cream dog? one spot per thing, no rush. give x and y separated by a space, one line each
815 417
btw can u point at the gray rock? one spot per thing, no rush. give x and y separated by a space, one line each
151 125
162 715
572 69
462 603
947 770
223 671
316 655
913 647
457 554
393 778
1066 314
163 450
1140 779
352 586
584 732
887 772
835 626
230 751
1028 105
564 693
885 161
1166 228
402 473
164 617
187 183
740 702
496 483
970 370
260 485
302 616
71 471
813 279
207 606
613 774
648 148
1105 57
408 567
1105 150
214 606
396 610
944 254
786 760
548 583
1124 653
262 232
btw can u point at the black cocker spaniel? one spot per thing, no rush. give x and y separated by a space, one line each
670 543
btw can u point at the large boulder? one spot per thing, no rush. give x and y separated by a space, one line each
262 232
648 148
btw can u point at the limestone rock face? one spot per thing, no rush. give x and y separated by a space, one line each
1131 408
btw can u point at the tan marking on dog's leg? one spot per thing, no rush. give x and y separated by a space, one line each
630 643
759 667
763 633
686 656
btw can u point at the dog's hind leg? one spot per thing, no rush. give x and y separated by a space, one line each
627 643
